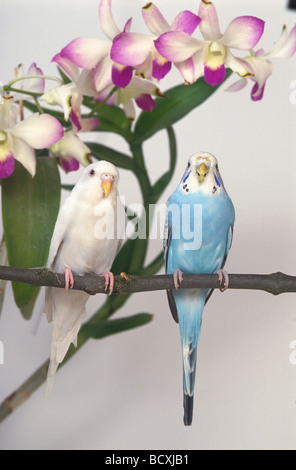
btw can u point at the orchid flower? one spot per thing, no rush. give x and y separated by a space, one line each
94 54
262 65
210 56
70 96
70 151
139 90
35 85
138 49
18 140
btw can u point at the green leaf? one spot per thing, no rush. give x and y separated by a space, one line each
101 328
111 118
101 152
29 207
123 258
153 267
179 101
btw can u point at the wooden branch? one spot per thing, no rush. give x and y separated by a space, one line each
276 283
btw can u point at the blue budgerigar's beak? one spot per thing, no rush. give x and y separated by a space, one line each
201 171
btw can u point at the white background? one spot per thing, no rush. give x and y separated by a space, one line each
125 392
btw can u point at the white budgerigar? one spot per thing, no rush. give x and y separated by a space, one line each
87 236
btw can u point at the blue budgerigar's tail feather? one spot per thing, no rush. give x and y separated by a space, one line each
188 409
190 304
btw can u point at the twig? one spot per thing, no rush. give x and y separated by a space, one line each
276 283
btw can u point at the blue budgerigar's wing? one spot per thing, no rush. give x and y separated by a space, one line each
228 246
166 245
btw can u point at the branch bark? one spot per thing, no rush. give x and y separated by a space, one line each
276 283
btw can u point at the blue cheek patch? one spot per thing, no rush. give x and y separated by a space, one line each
217 181
184 179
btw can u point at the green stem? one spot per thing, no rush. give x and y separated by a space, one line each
27 77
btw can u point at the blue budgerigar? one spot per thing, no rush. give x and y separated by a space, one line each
198 236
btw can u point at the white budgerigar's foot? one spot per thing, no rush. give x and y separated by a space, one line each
69 279
109 281
223 278
178 278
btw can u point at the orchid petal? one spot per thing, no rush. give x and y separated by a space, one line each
154 19
161 67
131 48
145 102
102 74
67 65
121 75
129 110
209 25
127 26
7 166
238 85
106 19
61 96
39 131
257 92
89 124
70 146
144 70
86 52
69 165
8 112
75 119
240 66
285 47
24 153
186 21
262 69
85 83
243 32
214 76
34 84
177 46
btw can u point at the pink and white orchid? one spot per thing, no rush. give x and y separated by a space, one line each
139 89
210 56
94 54
138 49
18 140
262 66
70 151
35 85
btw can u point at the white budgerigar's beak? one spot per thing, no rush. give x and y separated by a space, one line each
107 182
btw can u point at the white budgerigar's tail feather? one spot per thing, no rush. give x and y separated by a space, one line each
66 310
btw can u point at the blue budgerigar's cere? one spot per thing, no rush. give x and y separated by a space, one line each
198 236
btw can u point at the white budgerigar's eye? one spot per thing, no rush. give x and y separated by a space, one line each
92 172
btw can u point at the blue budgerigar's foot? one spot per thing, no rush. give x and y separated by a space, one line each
178 278
223 278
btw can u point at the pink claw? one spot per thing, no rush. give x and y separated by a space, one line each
109 281
223 276
178 278
69 279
